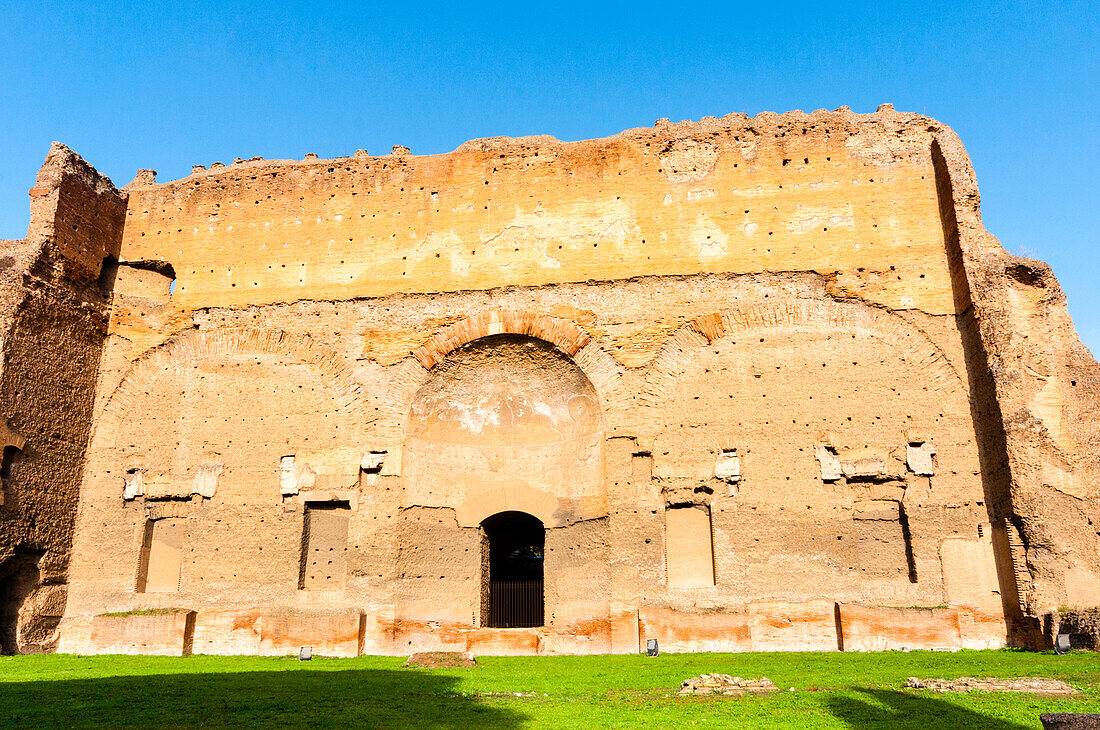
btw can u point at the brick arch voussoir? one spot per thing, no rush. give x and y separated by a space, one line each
564 334
678 352
195 344
602 370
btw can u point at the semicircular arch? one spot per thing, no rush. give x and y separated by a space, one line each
601 369
564 334
506 422
196 344
803 316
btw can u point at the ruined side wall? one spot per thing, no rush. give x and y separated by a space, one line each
54 321
1039 393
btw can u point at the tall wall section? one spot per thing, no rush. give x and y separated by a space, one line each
766 382
1039 399
53 321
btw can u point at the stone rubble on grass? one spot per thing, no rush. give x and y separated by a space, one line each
724 684
441 660
1038 685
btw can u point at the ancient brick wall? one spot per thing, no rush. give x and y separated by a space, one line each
54 323
1038 393
766 383
827 193
779 532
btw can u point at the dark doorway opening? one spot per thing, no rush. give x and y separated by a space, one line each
10 459
108 272
512 597
19 577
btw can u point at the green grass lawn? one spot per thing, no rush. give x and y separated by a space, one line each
831 690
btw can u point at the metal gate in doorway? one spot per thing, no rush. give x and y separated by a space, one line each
514 589
515 604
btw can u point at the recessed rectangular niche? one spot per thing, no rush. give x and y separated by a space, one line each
11 457
324 546
727 466
150 280
641 469
884 546
161 556
689 549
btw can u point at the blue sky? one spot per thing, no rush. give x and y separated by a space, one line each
169 85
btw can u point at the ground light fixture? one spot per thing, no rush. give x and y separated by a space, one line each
651 647
305 653
1061 644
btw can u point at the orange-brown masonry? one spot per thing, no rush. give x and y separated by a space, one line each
736 384
536 211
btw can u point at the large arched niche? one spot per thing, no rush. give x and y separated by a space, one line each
506 422
193 346
236 396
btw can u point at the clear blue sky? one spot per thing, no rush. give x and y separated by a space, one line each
169 85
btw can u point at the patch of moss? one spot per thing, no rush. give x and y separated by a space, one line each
144 612
917 608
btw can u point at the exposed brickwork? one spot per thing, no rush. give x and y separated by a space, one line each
52 327
762 381
193 345
568 337
821 192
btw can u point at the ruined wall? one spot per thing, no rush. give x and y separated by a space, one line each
750 374
54 321
773 528
828 193
1040 393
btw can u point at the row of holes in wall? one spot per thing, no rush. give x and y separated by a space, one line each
317 173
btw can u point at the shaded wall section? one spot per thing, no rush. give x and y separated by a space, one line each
1038 394
54 320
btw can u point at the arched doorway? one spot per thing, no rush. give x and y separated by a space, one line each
512 571
506 423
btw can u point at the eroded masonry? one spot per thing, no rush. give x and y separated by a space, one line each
736 384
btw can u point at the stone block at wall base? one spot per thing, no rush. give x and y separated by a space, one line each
625 637
877 628
279 632
161 633
687 631
786 626
378 632
582 637
981 630
760 626
76 635
503 642
411 637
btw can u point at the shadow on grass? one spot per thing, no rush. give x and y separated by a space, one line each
894 709
361 698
